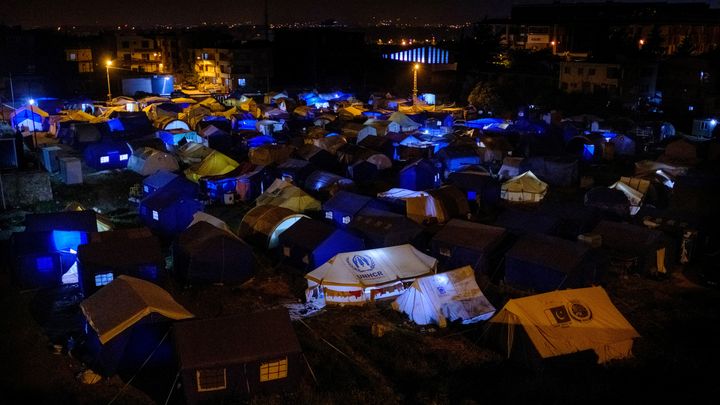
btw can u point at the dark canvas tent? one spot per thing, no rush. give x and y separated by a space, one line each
234 357
326 184
455 157
544 263
127 321
609 200
169 210
519 222
462 243
381 228
556 171
263 224
85 221
309 243
643 249
204 253
295 171
420 175
572 218
342 207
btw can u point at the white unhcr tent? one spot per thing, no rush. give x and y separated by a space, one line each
367 275
444 297
525 188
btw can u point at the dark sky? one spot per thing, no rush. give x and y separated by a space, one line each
151 12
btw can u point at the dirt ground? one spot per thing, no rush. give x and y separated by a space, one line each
674 359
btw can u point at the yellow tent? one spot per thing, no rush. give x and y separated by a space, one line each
126 301
184 100
283 194
524 188
564 322
214 164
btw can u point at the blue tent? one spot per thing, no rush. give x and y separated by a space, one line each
40 258
308 243
132 125
454 157
478 183
382 228
482 123
519 222
246 182
544 263
33 118
174 137
169 210
102 261
420 175
462 243
204 253
555 171
342 207
107 155
157 181
85 221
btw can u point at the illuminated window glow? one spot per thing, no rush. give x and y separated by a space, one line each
273 370
104 159
103 279
124 156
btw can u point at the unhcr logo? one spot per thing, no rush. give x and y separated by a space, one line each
361 263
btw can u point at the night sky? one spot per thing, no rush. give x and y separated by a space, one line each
31 13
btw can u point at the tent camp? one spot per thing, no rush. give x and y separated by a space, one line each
440 205
227 359
205 253
213 164
169 210
342 207
326 184
127 321
244 183
641 249
562 323
367 275
30 118
263 225
381 228
283 194
308 243
544 263
136 255
461 243
525 188
445 297
40 258
147 161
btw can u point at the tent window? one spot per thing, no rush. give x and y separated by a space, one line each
104 159
346 220
103 279
156 216
447 252
146 189
328 215
274 370
124 156
211 379
44 264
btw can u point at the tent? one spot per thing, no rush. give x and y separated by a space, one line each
103 222
127 320
381 228
40 258
445 297
147 161
419 175
266 155
205 253
169 210
369 166
283 194
308 243
136 255
510 168
193 152
161 179
404 122
520 222
367 275
244 183
561 323
634 196
326 183
525 188
545 263
478 183
82 221
462 243
571 218
227 359
175 137
455 157
107 155
342 207
439 205
608 199
680 152
213 164
562 172
30 118
644 250
295 170
263 225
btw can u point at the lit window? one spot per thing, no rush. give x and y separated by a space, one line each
346 220
103 279
211 379
44 264
328 215
274 370
124 156
286 251
156 216
146 189
104 159
241 82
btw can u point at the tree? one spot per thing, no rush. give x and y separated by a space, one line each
485 96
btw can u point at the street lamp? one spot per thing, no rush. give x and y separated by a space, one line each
32 117
415 89
554 46
108 63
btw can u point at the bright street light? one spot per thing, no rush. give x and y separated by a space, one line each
416 67
32 117
108 63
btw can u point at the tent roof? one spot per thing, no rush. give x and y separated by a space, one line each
522 221
626 236
470 234
210 343
525 183
589 320
347 202
366 268
160 178
549 251
66 221
214 164
308 233
283 194
125 301
119 253
378 222
201 236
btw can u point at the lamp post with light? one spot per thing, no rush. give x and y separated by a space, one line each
415 89
108 63
32 117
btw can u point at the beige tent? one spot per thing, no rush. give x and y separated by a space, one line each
443 297
124 302
438 205
263 224
564 322
633 195
526 188
367 275
283 194
193 152
270 154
